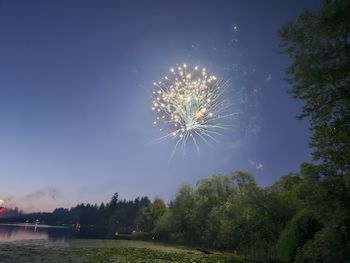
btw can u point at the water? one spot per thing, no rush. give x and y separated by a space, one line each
22 232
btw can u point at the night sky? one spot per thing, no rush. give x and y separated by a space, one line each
75 111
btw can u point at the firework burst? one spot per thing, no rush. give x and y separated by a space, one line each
190 105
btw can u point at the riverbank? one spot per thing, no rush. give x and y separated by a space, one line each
84 250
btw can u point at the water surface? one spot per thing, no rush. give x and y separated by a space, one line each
21 232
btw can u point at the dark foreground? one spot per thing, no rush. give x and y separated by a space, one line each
103 251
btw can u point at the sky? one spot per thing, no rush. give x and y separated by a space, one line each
76 123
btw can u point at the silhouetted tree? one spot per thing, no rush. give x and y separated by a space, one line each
319 45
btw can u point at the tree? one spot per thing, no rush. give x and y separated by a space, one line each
182 215
150 214
163 226
113 204
213 198
319 45
300 230
331 244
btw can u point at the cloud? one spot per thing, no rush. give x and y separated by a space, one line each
51 192
39 200
257 165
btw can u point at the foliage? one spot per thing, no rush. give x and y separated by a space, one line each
299 230
182 220
331 244
229 212
150 214
163 226
319 45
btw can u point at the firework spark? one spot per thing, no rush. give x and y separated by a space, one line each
190 104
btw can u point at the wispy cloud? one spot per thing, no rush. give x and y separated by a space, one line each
39 200
51 193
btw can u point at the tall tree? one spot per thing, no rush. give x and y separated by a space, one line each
318 44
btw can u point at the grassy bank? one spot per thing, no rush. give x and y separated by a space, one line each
103 251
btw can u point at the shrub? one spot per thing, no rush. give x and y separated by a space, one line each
329 245
299 230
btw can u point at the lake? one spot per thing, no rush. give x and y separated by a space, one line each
26 231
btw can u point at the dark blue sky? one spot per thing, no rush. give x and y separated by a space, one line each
75 77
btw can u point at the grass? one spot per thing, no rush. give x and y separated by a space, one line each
104 251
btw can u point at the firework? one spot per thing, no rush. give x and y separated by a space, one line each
190 105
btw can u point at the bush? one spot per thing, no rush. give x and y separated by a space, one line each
329 245
299 230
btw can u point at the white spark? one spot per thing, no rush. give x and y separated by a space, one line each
191 104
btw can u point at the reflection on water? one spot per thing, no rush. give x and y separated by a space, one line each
14 232
17 232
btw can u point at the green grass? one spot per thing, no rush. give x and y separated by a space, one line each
104 251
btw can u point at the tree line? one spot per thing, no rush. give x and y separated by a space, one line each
114 216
